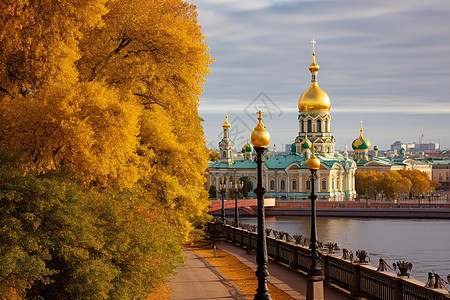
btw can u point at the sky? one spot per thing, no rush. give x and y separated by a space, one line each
384 62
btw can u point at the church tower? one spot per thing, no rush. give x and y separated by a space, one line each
314 118
226 145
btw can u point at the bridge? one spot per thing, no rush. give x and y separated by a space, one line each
249 205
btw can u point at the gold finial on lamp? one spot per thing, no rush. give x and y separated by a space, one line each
260 137
313 161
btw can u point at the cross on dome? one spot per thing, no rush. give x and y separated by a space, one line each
260 114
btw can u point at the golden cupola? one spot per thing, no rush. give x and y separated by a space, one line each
226 125
314 98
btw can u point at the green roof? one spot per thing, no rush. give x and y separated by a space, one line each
238 164
282 162
440 162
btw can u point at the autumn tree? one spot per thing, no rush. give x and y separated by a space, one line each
360 182
213 155
106 92
75 128
393 183
81 83
39 42
61 241
420 181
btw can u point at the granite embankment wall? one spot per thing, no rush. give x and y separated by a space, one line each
422 213
338 209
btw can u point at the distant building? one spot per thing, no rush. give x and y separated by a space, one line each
397 146
415 147
429 147
441 173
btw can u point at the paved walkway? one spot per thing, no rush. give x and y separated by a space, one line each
201 280
286 280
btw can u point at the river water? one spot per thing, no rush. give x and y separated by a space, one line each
424 243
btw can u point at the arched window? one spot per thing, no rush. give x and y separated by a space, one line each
294 185
332 183
282 185
324 184
308 185
272 185
319 126
224 154
302 126
309 126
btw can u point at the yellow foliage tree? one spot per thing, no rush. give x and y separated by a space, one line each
75 128
420 181
178 169
39 41
108 90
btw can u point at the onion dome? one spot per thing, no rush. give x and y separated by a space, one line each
306 144
293 148
314 67
226 124
260 137
402 151
361 143
314 98
375 148
247 148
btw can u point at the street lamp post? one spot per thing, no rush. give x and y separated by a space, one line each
222 191
237 188
260 140
315 274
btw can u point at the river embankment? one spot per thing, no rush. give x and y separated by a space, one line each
421 213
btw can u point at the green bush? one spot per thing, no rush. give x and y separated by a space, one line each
60 241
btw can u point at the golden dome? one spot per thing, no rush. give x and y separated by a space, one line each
226 124
314 99
260 137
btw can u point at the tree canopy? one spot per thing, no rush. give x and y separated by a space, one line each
106 93
393 183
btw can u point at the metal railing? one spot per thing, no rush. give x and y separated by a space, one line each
359 280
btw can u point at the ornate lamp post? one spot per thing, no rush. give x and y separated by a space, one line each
222 191
237 188
315 274
260 140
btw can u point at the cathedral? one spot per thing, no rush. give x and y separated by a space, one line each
287 176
